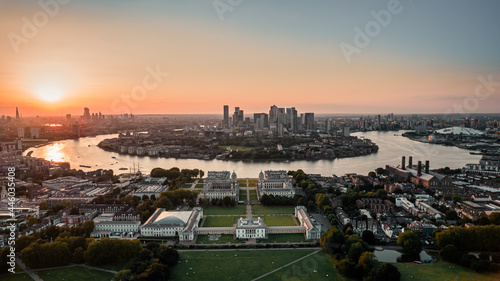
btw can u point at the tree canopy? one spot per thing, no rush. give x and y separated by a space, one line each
410 241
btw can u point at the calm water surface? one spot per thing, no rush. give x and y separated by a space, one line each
392 146
393 256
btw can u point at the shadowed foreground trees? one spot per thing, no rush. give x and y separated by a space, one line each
106 251
153 262
410 241
387 272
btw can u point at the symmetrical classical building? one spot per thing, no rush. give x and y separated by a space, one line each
250 228
184 225
276 183
218 185
116 229
313 229
172 223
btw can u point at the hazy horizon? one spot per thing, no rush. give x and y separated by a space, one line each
193 57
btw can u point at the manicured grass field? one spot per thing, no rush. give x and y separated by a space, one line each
15 277
243 195
224 239
200 181
212 221
187 185
242 183
236 210
253 195
441 270
74 273
191 180
232 265
264 210
315 267
198 185
114 266
284 238
279 220
252 183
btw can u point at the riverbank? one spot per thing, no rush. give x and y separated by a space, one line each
268 149
391 148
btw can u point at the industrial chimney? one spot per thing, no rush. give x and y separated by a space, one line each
410 162
403 162
419 168
426 166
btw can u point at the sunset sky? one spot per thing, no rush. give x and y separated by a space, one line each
95 53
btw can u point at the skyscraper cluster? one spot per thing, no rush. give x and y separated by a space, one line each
278 120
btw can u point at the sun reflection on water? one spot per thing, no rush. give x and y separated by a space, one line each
54 153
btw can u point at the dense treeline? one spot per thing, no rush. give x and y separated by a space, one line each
475 238
271 200
176 177
41 254
68 245
456 243
358 261
310 188
224 202
52 232
107 251
153 262
4 260
410 242
452 254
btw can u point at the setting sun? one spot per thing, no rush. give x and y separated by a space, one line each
50 93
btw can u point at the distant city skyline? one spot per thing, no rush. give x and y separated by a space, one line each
171 57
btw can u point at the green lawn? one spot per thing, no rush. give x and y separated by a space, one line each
224 239
284 238
232 265
15 276
441 270
200 181
279 220
253 195
74 273
243 195
198 185
18 268
252 183
315 267
191 180
236 210
265 210
318 266
114 266
187 185
212 221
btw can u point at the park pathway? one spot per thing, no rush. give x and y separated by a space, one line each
35 276
249 211
97 268
30 272
288 264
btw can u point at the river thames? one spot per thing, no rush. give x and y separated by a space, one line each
392 146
